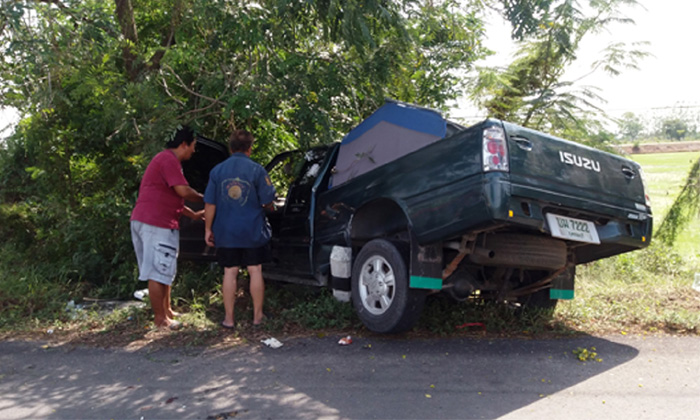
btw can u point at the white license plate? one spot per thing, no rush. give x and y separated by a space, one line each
572 229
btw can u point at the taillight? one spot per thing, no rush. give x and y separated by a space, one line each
644 185
495 151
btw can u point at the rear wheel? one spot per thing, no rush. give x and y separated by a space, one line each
380 293
538 300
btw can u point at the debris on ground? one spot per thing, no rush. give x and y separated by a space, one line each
345 341
472 324
584 354
140 294
75 311
272 343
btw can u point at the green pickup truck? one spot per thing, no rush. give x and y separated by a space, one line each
410 203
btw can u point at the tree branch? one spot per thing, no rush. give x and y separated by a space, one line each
167 92
169 38
190 91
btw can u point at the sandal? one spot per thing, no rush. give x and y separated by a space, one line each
228 327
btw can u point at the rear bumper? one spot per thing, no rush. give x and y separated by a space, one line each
620 229
491 202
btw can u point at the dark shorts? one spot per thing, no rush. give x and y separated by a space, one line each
243 257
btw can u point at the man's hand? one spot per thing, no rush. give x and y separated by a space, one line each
194 215
198 215
209 214
209 238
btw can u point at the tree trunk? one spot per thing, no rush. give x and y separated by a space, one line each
125 15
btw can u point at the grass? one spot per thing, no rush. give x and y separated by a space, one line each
642 292
665 175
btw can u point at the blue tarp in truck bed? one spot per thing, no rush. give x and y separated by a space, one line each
394 130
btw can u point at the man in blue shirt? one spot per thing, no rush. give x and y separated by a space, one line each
235 222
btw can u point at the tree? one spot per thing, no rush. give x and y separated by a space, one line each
630 126
674 128
531 90
685 208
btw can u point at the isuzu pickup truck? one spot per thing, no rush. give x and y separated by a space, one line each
409 203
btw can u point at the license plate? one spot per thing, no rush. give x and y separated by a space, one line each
572 229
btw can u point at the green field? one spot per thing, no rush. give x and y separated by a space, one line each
665 175
647 291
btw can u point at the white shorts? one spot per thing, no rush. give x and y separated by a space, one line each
156 251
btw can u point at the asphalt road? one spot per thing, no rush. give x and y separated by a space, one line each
315 378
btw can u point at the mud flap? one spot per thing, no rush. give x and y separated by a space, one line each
563 285
426 265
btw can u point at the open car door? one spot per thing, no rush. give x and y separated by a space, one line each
208 154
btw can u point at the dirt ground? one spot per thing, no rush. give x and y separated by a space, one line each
670 147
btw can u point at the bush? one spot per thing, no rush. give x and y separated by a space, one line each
18 226
28 294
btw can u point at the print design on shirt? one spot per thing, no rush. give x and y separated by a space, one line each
236 189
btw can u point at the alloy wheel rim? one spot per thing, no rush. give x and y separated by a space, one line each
377 285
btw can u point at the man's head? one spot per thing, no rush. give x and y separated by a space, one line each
241 142
183 143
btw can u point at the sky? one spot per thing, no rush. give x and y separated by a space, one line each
666 80
7 118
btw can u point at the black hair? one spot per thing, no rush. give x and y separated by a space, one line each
241 141
183 134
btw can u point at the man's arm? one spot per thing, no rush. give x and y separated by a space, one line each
194 215
209 213
266 191
188 193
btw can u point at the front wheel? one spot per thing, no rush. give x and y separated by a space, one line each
380 293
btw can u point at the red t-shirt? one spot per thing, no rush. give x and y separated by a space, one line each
158 204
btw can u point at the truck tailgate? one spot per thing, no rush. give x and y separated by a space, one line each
563 168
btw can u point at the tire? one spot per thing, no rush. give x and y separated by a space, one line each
380 293
539 300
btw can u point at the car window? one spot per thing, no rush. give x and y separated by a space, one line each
285 170
298 168
301 193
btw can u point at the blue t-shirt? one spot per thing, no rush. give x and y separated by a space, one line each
239 187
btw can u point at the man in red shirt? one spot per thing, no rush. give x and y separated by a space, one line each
155 222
